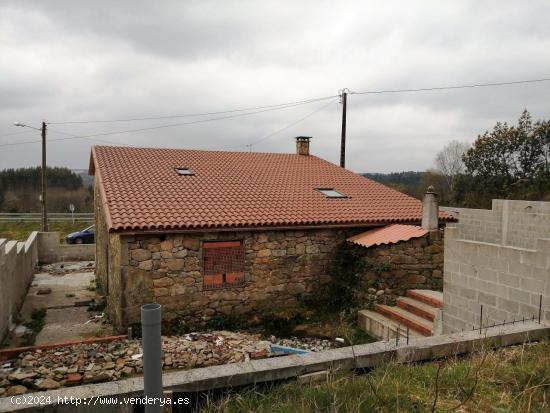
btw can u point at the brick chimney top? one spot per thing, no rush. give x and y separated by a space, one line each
302 145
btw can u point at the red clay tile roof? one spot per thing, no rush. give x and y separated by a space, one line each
142 191
390 234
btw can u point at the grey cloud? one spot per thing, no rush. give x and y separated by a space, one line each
65 60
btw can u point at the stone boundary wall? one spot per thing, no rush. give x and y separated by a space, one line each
279 368
505 277
509 222
50 250
396 268
17 264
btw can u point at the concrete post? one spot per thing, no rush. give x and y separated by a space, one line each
152 362
430 210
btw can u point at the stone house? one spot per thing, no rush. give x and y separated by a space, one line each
207 232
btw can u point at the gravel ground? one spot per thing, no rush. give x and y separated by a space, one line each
99 362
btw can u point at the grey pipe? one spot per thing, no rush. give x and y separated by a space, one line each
152 362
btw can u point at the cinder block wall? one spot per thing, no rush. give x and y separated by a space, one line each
17 263
497 258
513 223
50 250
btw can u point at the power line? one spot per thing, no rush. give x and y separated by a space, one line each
261 109
188 115
427 89
290 125
13 133
159 126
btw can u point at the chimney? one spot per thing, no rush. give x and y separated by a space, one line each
430 210
302 145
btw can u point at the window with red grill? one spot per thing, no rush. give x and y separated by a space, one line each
223 264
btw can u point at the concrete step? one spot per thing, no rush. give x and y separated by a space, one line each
406 318
418 308
430 297
382 327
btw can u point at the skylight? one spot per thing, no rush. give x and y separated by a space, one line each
331 193
184 171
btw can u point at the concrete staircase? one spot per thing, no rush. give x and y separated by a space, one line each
417 312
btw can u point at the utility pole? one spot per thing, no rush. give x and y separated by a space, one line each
44 181
343 101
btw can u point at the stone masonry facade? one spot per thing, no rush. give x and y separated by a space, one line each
280 267
396 268
498 259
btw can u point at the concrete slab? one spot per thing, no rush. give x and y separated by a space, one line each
68 324
66 289
63 321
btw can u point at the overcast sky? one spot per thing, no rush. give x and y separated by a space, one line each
76 61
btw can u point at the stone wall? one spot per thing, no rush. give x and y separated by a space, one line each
17 263
280 267
396 268
50 250
502 274
101 240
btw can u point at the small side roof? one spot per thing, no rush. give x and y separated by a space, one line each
390 234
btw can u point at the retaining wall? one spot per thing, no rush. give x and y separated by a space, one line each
17 263
497 258
50 250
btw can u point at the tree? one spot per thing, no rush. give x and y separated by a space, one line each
434 178
449 162
507 162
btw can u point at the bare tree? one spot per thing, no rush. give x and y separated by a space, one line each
449 161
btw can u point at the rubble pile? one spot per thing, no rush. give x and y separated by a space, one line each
310 344
99 362
62 268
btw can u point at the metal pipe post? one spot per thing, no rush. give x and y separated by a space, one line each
152 362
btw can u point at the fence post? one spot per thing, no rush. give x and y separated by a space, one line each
152 362
540 307
480 318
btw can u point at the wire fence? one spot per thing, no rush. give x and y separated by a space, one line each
52 216
403 336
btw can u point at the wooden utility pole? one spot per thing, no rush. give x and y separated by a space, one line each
44 181
343 101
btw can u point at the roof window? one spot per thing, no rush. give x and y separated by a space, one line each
184 171
331 193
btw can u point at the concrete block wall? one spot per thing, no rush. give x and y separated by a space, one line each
504 270
509 222
50 250
17 263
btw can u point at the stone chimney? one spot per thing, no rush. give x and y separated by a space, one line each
302 145
430 210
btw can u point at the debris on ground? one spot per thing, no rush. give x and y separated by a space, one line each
61 268
99 362
44 291
310 344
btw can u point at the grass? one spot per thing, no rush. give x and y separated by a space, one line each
515 379
20 230
35 325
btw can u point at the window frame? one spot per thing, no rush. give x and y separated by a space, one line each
339 196
240 283
180 169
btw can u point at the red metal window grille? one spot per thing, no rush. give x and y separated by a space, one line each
223 264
